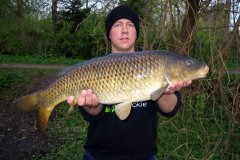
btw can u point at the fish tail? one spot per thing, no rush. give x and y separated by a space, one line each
27 103
43 116
30 103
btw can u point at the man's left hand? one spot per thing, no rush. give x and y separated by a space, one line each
177 86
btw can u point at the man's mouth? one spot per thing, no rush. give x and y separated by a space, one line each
124 38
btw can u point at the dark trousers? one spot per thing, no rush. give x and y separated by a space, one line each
88 156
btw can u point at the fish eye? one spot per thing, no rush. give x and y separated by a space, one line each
189 62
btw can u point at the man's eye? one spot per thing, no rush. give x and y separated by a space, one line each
116 25
131 25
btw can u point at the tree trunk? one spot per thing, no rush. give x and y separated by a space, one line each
185 37
227 14
20 24
54 14
226 50
86 4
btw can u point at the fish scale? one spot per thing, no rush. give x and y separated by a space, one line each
119 79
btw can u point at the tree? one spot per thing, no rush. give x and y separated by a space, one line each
185 36
72 12
20 19
54 14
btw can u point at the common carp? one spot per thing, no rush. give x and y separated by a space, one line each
117 78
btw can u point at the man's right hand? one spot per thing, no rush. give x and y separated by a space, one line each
87 100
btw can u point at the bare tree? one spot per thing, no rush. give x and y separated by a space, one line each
185 36
194 9
225 52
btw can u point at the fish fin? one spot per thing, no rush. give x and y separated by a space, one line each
27 103
123 110
157 93
70 109
72 106
43 116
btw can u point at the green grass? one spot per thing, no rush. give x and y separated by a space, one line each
73 131
199 131
17 78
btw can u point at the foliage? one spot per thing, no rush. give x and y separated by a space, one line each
86 42
71 12
9 42
63 42
90 38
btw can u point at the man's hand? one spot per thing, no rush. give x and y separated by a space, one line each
87 100
168 100
177 86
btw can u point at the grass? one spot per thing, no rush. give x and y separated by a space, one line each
203 129
38 59
72 129
198 132
15 78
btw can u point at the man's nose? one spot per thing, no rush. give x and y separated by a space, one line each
125 29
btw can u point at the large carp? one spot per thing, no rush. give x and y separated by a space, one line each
116 79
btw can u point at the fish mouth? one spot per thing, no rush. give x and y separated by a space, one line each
204 72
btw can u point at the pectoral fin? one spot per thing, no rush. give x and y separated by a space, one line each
72 106
157 93
123 110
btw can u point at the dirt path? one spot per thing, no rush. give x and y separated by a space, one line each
36 66
19 138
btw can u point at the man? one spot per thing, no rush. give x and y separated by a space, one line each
134 138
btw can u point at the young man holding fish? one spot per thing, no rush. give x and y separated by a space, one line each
134 138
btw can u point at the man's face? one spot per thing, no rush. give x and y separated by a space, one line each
123 36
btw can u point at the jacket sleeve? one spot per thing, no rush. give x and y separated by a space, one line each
91 118
176 108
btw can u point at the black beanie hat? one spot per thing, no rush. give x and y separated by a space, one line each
120 12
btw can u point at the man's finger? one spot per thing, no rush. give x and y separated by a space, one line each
82 98
180 84
189 82
89 97
70 100
94 100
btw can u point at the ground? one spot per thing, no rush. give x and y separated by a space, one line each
19 137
